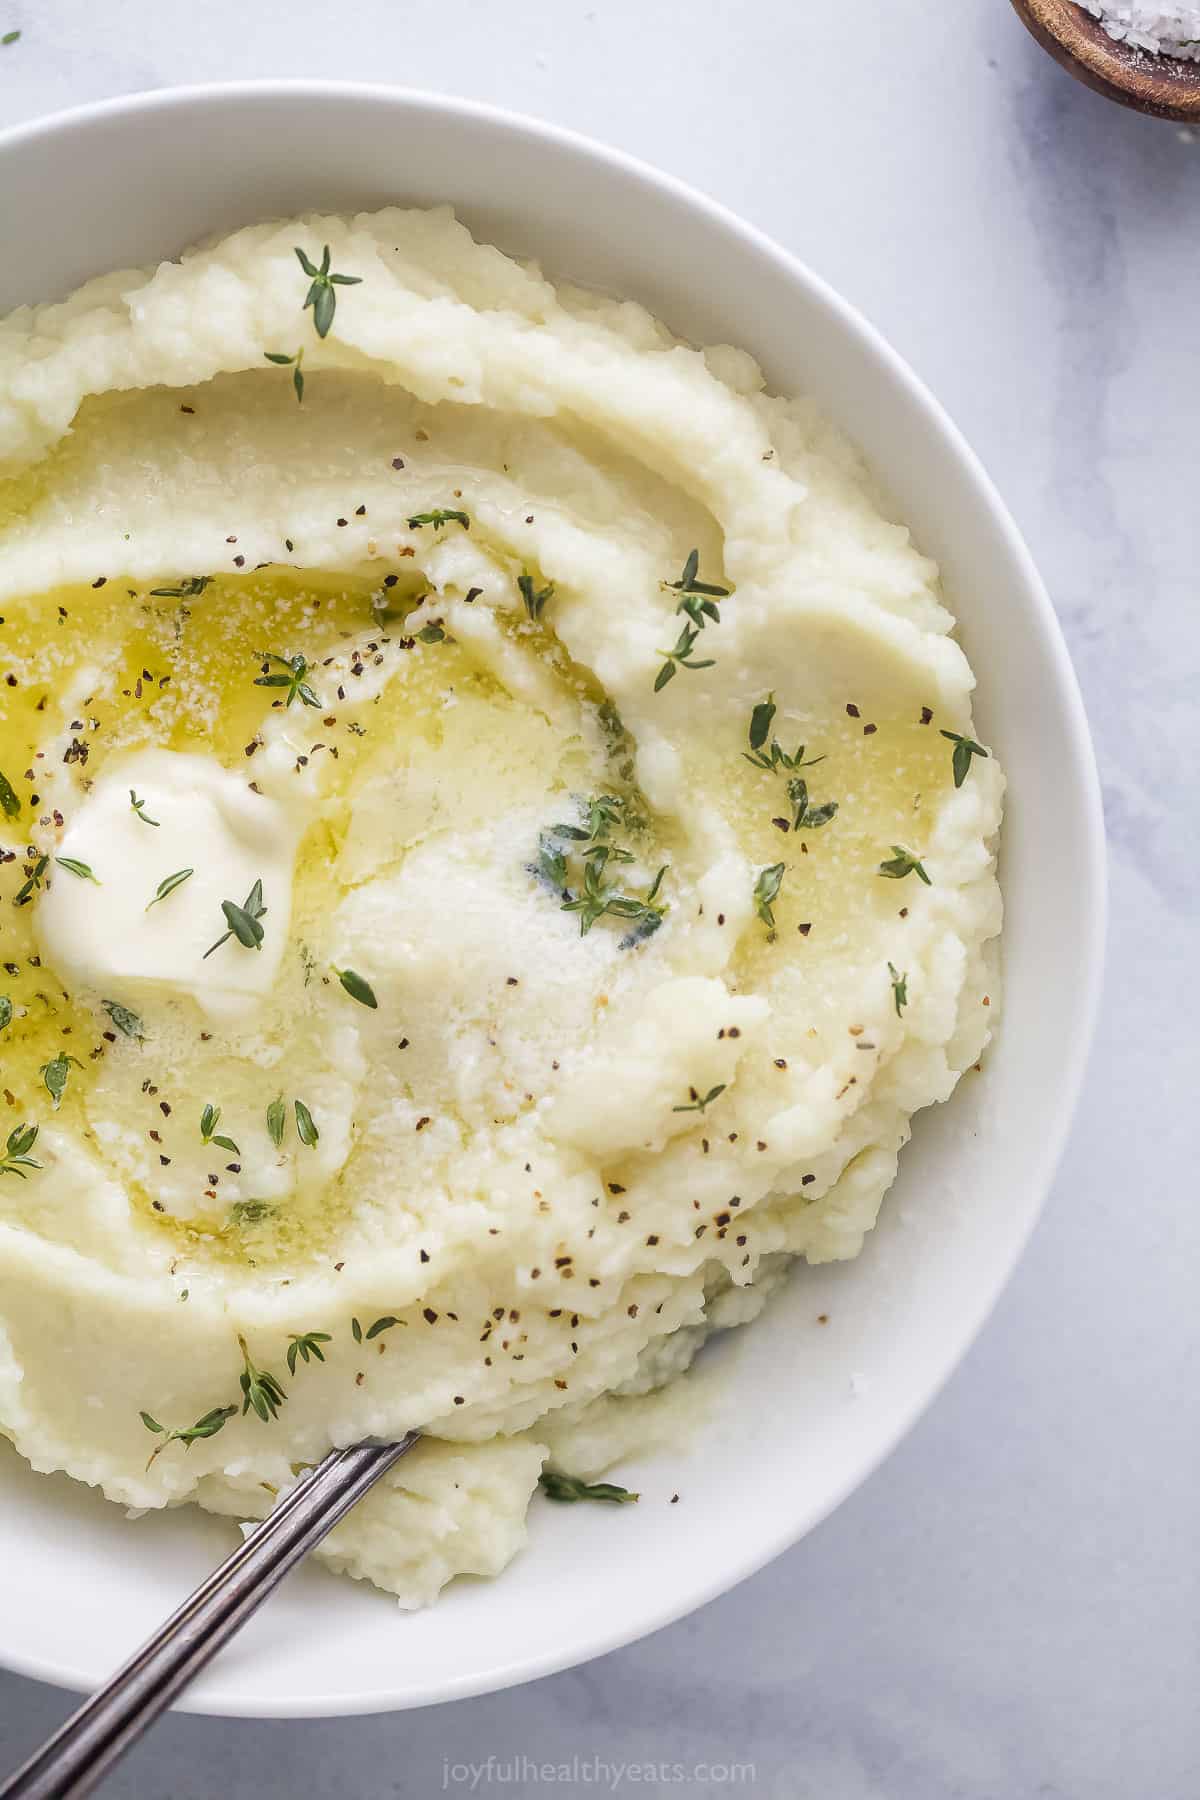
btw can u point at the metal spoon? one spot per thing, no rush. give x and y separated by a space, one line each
82 1751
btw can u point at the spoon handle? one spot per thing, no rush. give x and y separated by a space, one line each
83 1749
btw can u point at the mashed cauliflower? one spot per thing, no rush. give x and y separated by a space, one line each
493 852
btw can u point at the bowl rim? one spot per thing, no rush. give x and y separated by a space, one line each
879 355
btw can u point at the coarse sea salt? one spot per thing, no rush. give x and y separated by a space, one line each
1163 29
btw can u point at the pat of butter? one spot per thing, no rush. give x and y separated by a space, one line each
208 821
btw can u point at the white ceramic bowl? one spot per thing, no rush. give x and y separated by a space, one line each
807 1411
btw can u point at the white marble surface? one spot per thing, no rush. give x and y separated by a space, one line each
1010 1608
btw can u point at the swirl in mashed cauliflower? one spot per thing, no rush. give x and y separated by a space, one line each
454 940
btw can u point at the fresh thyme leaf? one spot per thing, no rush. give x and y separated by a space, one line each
760 722
206 1427
294 363
294 669
381 1325
260 1389
10 805
305 1345
432 633
321 295
16 1159
10 37
277 1120
899 989
210 1118
127 1022
902 862
964 749
556 1486
186 590
356 1331
169 883
680 658
357 988
139 807
438 518
30 887
54 1075
243 922
306 1126
76 868
551 862
248 1212
766 891
700 1101
536 599
244 926
6 1012
804 816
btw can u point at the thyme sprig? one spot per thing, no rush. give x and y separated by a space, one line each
210 1118
557 1486
306 1344
536 599
243 922
16 1159
322 295
206 1427
597 897
439 518
698 599
899 989
260 1389
602 814
776 757
805 816
701 1102
183 590
294 363
681 658
903 862
33 885
139 807
292 671
964 749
